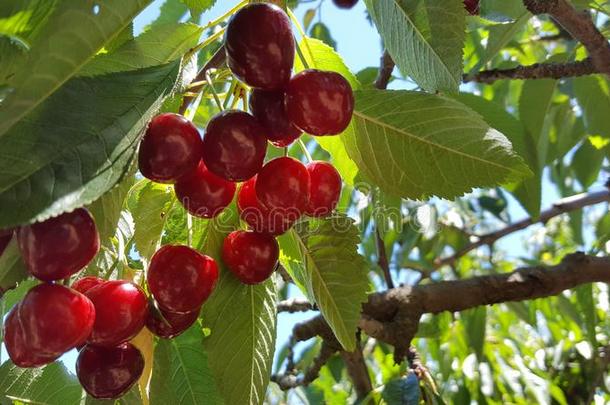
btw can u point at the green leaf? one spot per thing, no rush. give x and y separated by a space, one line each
334 274
425 39
65 43
534 106
242 320
172 11
414 145
11 297
49 385
475 321
320 31
404 391
587 162
12 266
308 18
593 95
502 10
181 371
158 45
198 6
78 144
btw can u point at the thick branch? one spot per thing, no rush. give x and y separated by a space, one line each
216 61
535 71
295 305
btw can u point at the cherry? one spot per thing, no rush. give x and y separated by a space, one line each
283 183
345 3
234 145
82 285
168 325
325 188
251 256
319 102
472 6
261 219
268 107
60 246
109 372
170 148
50 320
203 193
5 238
180 278
121 309
260 46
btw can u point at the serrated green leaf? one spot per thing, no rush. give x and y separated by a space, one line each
414 145
12 266
535 103
171 11
181 371
587 162
198 6
320 31
334 274
78 144
425 39
593 95
502 10
65 43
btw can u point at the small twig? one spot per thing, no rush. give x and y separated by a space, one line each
294 305
386 66
289 380
535 71
382 259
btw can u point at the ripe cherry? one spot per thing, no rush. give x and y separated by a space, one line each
5 237
170 148
283 183
251 256
234 145
82 285
320 103
203 193
50 320
472 6
325 188
60 246
180 278
121 309
260 46
345 3
109 372
261 219
268 107
168 325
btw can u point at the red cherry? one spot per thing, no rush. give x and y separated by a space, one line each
234 145
320 103
82 285
203 193
345 3
50 320
325 188
283 183
472 6
121 309
5 238
268 107
60 246
168 325
261 219
180 278
170 148
260 46
109 372
251 256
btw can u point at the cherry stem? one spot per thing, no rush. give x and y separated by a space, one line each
305 150
296 22
212 38
189 227
211 85
230 93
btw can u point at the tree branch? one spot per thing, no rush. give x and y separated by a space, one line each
216 61
382 259
295 305
535 71
386 66
358 372
290 380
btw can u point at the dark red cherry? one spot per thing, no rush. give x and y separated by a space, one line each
170 148
283 183
5 237
121 309
319 102
325 188
258 217
168 325
49 321
82 285
345 3
251 256
109 372
260 46
203 193
268 107
472 6
60 246
234 145
180 278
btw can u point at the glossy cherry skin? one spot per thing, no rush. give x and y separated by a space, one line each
180 278
345 3
325 188
234 145
60 246
170 148
260 46
283 183
258 217
268 107
472 6
121 309
319 102
203 193
109 372
82 285
251 256
168 325
5 237
49 321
